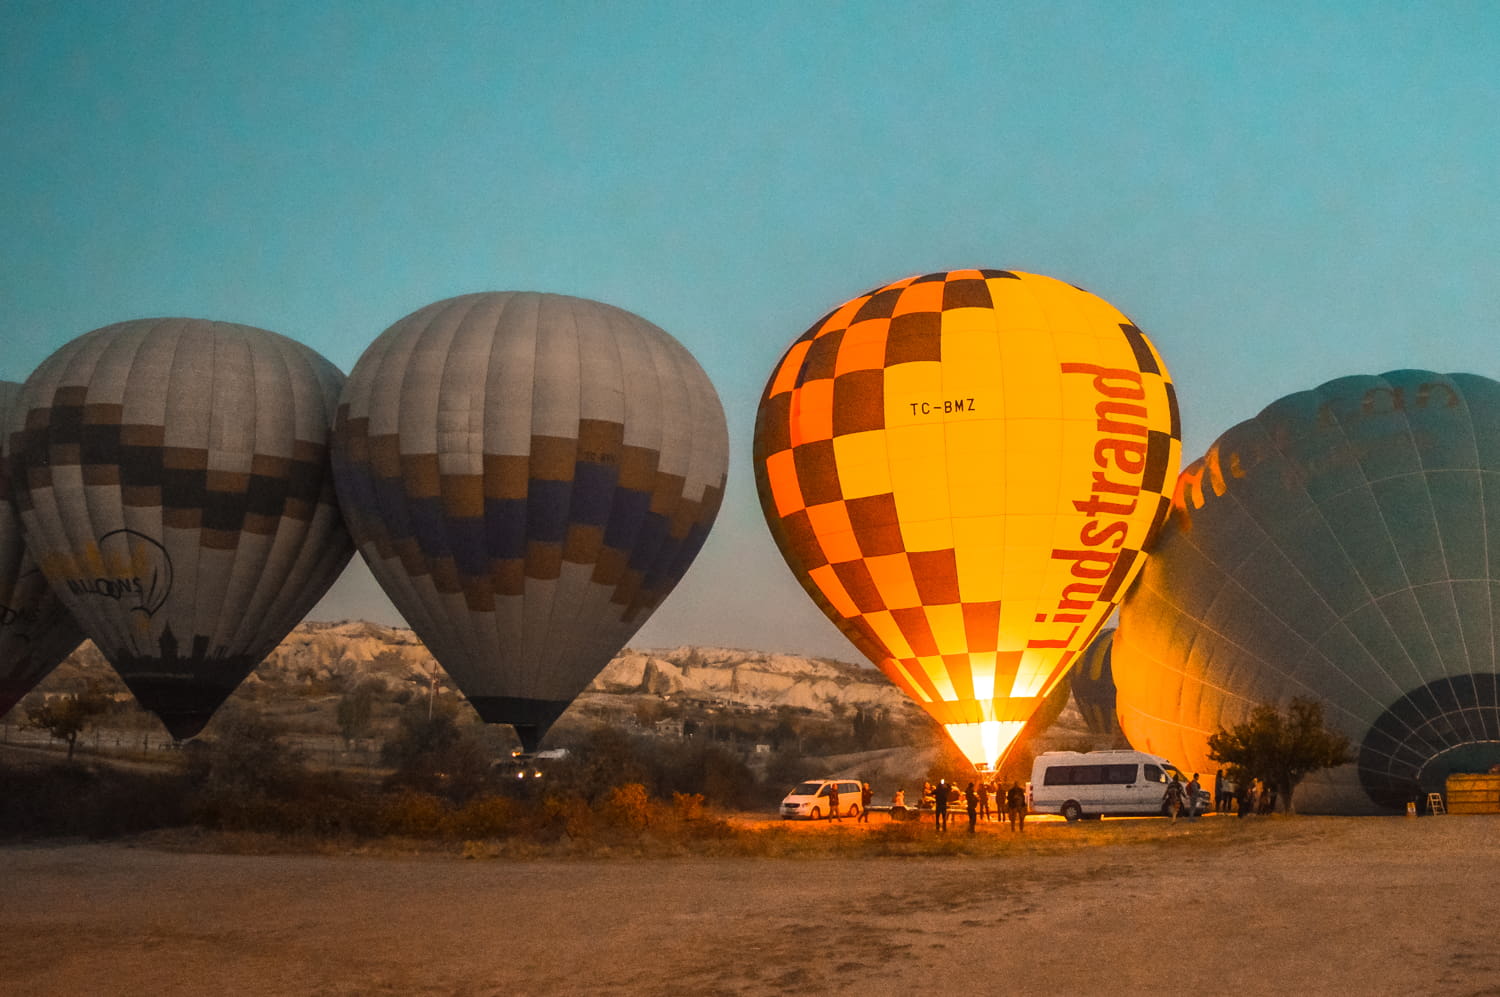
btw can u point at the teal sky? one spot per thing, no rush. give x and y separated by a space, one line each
1279 194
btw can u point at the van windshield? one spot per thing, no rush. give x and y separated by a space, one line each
806 789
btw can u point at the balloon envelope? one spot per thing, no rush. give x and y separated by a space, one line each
173 479
961 469
36 632
1093 682
528 476
1344 546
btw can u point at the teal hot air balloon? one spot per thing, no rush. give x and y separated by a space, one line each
528 476
1093 684
36 632
1343 546
172 476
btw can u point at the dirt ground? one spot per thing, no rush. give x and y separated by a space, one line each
1263 906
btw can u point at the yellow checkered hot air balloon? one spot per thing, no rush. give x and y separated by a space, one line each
962 469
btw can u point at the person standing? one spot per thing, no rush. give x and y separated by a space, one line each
1172 801
940 805
1191 793
864 802
1246 796
971 803
1221 793
833 802
1015 807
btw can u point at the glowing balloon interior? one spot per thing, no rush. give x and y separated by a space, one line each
961 469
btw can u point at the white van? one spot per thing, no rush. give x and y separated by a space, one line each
1091 784
813 799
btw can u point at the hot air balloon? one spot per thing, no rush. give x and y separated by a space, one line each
173 480
1093 685
961 469
1342 546
36 632
528 476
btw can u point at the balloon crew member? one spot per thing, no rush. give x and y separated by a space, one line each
1172 801
864 802
1015 807
971 803
833 802
940 805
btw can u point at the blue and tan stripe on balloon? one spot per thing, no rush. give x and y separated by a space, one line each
590 501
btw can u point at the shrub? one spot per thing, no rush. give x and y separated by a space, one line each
628 806
563 815
413 814
484 817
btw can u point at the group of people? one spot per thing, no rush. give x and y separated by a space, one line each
1256 797
976 801
836 811
1181 798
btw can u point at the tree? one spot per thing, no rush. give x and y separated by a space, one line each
356 708
1280 749
67 716
431 752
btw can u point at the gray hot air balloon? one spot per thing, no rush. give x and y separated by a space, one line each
36 632
1343 546
528 476
173 479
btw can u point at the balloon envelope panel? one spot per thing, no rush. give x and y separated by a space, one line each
174 483
1093 685
36 632
1342 545
528 476
961 469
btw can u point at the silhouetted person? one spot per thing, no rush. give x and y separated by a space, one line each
971 802
984 800
1015 807
864 802
940 805
833 802
1221 793
1172 801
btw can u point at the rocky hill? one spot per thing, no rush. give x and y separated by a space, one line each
318 660
745 679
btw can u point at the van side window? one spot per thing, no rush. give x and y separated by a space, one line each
1155 774
1119 775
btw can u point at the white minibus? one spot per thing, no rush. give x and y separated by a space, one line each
1088 785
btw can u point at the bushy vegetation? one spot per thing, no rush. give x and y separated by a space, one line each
613 786
1280 749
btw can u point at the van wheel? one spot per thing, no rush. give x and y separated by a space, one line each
1071 811
854 810
815 815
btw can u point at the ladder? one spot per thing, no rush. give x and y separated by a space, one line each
1435 804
